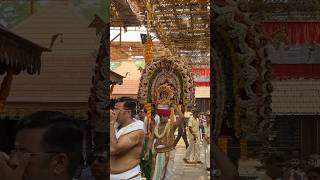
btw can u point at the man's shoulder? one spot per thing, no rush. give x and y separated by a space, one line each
138 123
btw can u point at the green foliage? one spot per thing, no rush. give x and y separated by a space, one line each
114 65
140 64
13 12
91 7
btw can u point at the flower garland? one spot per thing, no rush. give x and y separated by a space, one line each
148 45
219 92
147 106
171 121
165 131
241 63
235 68
231 74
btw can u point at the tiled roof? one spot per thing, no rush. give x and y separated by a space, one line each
131 82
66 72
296 96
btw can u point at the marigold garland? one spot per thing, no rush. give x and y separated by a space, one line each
236 107
147 106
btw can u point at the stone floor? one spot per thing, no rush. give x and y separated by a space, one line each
185 171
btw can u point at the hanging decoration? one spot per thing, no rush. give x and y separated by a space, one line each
296 32
5 88
240 71
148 108
201 76
295 71
148 44
183 28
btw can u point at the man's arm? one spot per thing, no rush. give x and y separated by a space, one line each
149 146
125 142
181 118
180 132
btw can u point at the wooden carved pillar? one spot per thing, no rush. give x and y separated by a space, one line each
99 96
5 88
223 144
111 88
243 149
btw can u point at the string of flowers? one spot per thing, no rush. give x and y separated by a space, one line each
148 44
235 95
147 106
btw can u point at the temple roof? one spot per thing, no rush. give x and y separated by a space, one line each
19 52
66 72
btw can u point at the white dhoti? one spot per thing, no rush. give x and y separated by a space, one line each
164 166
206 147
132 174
193 151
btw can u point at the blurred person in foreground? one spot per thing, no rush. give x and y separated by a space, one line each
100 158
274 165
48 146
126 140
224 164
100 164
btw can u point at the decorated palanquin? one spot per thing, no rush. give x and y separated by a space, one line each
166 81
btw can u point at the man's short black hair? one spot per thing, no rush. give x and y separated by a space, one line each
64 134
129 104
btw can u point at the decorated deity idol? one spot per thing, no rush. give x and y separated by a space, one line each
168 84
163 135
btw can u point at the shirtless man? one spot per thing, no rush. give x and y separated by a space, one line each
126 141
164 144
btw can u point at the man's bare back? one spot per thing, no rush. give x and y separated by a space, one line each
129 159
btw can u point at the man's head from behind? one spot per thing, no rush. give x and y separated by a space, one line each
196 113
100 161
125 108
142 114
54 142
275 166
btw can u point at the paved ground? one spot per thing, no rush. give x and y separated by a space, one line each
185 171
